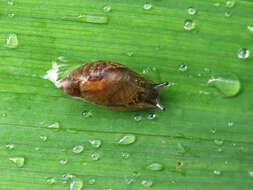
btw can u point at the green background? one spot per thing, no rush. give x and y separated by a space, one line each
157 38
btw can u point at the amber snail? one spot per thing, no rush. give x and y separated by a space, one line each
112 85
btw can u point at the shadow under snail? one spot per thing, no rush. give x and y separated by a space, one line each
112 85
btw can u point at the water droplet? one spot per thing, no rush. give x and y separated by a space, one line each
127 139
95 143
63 161
129 181
107 8
43 138
136 174
11 3
216 4
19 161
61 58
55 125
151 116
125 155
147 6
218 142
180 148
213 131
75 182
217 172
50 180
151 73
130 53
11 14
183 67
147 183
88 18
228 85
220 150
12 41
230 124
10 146
189 25
250 28
228 14
37 148
191 11
137 118
230 4
155 167
95 156
91 181
87 114
243 53
251 173
4 114
77 149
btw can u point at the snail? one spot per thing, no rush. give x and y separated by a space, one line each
112 85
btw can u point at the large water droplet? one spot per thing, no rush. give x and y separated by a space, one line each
228 85
55 125
75 182
88 18
107 8
43 138
10 146
127 139
77 149
18 161
95 156
189 25
155 167
230 3
191 11
50 180
243 53
147 6
91 181
251 173
217 172
95 143
12 41
152 73
147 183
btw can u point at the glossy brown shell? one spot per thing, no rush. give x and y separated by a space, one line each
113 86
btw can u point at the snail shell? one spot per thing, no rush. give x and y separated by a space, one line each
112 85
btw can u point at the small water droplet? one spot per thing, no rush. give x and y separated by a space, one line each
91 181
11 15
189 25
95 143
75 182
107 8
95 156
136 174
18 161
219 150
84 163
77 149
147 183
243 53
180 148
155 167
218 142
137 118
130 53
129 181
88 18
10 146
191 11
213 131
151 116
228 14
50 180
12 41
125 155
63 161
230 4
151 73
217 172
230 124
251 173
228 85
147 6
55 125
183 67
250 28
127 139
216 4
43 138
4 114
37 148
87 114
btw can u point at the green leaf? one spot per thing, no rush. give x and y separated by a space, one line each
202 141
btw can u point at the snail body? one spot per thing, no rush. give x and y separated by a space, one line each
112 85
